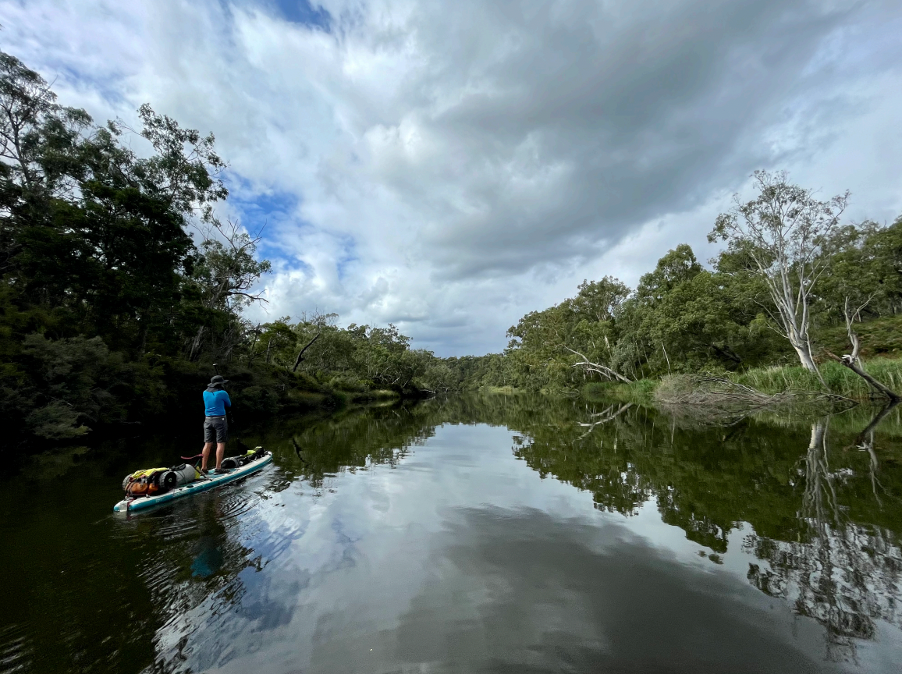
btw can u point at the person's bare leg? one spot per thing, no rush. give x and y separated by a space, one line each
220 453
206 453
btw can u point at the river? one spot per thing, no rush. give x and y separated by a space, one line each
472 534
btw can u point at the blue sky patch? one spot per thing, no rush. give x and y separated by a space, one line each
262 213
304 12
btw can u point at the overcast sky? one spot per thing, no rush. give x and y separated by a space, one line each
448 167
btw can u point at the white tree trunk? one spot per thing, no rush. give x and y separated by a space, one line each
805 357
793 315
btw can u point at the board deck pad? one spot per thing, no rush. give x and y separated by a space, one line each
211 481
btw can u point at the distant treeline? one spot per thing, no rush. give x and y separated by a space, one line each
793 284
121 288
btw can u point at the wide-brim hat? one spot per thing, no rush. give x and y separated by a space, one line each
217 380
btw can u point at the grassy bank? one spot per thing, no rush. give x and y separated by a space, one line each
880 337
778 379
840 380
499 389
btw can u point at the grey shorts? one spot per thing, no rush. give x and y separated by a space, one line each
215 429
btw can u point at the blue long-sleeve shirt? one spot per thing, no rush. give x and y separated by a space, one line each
215 403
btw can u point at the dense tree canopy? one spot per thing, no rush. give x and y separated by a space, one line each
120 286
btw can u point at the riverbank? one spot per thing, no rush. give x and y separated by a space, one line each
165 395
786 381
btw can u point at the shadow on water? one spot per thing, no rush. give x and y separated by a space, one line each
807 510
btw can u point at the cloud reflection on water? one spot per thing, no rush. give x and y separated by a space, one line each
460 559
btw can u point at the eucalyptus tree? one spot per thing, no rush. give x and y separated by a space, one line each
536 347
884 247
675 267
784 231
225 277
31 122
90 231
600 300
865 270
697 321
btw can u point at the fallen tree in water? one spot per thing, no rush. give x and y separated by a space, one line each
719 400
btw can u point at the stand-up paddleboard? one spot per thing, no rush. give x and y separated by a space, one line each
205 483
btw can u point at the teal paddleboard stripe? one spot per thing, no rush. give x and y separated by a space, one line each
194 487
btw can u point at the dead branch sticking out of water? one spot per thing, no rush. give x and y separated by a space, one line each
850 361
853 360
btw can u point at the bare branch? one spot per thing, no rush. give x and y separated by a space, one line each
850 363
301 353
597 367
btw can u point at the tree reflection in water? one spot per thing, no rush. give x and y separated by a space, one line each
825 525
844 575
818 501
195 574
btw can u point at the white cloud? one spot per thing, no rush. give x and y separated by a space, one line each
449 168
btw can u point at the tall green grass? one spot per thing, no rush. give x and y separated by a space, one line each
839 379
849 422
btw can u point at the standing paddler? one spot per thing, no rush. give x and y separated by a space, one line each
216 429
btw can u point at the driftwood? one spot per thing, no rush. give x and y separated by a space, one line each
598 368
301 354
853 337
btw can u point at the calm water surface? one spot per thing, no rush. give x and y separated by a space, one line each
487 534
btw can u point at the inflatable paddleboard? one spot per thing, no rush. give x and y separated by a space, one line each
208 482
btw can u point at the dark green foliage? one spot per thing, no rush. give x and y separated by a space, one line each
110 314
355 359
880 336
788 278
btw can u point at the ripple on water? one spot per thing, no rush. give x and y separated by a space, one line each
237 503
189 548
179 520
15 651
